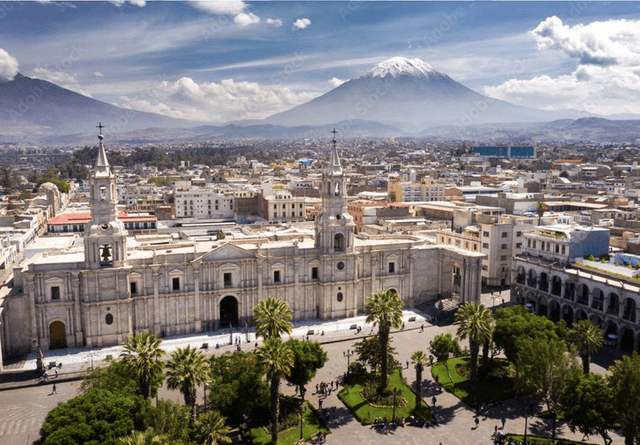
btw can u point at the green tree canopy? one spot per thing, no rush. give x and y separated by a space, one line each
171 419
272 318
211 429
146 437
308 358
443 347
368 350
588 406
187 369
143 355
625 385
587 337
99 417
419 360
233 376
515 322
384 309
113 376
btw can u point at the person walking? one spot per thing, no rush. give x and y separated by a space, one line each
504 421
54 389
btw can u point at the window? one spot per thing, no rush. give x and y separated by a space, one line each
176 283
503 258
518 245
485 245
503 246
563 251
55 292
557 249
518 233
340 297
340 265
276 276
485 233
314 273
133 287
392 267
108 319
505 234
227 279
528 243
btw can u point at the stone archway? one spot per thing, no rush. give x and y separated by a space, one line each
57 335
228 311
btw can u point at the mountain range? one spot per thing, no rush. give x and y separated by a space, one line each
398 97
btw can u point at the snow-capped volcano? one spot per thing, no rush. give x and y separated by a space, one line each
399 66
408 94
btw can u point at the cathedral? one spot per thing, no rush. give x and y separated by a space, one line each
113 285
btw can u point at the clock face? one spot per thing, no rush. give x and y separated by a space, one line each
340 265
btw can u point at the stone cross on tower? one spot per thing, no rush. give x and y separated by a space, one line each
100 127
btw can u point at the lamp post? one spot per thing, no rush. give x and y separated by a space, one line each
348 354
395 392
527 411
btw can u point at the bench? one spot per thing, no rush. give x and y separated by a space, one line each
311 332
354 326
205 346
412 319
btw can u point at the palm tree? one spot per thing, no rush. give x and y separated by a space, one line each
385 310
474 322
278 359
420 360
143 357
271 317
210 429
588 339
541 207
188 369
148 437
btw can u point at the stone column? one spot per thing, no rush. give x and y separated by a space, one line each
196 291
374 270
411 297
29 289
77 308
299 306
156 301
590 299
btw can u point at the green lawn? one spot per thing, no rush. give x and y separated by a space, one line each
366 413
497 386
539 440
312 424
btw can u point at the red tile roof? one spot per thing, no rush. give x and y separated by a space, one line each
85 217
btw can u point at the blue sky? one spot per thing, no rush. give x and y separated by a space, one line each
222 61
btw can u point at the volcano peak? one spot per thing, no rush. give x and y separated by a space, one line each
400 66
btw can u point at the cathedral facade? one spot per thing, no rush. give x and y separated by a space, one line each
115 285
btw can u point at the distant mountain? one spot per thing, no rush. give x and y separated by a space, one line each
411 95
44 109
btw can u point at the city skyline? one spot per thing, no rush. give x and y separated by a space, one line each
224 61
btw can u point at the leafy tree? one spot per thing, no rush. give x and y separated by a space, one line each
143 356
146 437
384 309
515 322
545 370
210 429
272 318
474 322
625 385
443 347
7 179
162 181
541 207
588 406
308 358
187 369
419 360
115 377
99 417
587 337
278 359
233 376
368 350
172 420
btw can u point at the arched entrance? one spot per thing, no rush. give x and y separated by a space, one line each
57 335
228 311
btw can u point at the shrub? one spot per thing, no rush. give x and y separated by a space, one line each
591 258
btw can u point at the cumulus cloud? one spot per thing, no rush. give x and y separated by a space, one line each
301 23
606 79
274 22
335 82
140 3
245 19
8 66
60 78
216 102
98 74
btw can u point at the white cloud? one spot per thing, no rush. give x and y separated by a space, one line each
140 3
274 22
8 66
98 74
216 102
245 19
301 23
335 82
60 78
232 7
606 79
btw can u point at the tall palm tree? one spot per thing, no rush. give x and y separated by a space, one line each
188 369
148 437
278 359
588 339
385 310
420 360
541 207
210 429
474 322
143 357
272 318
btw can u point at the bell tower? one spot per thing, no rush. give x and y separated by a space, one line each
334 226
105 236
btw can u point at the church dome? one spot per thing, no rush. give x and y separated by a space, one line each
46 187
